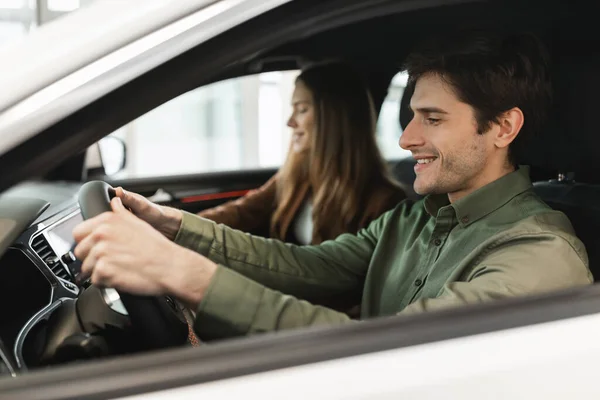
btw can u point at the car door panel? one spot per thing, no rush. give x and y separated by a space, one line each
195 193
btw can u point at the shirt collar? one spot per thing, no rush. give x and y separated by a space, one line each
484 200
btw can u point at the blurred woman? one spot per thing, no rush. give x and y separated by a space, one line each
334 179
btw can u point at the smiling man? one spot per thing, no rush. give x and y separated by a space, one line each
480 234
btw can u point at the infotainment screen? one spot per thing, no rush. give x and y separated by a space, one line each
60 236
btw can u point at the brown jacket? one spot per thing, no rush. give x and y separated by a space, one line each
254 210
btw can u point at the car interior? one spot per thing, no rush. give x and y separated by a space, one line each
60 322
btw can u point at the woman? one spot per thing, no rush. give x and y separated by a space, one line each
334 179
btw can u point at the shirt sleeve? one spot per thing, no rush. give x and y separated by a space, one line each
525 265
235 305
247 293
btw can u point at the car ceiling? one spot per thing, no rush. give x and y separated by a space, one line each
390 38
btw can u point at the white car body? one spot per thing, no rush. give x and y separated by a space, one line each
547 361
66 76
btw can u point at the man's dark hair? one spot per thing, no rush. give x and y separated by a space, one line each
492 72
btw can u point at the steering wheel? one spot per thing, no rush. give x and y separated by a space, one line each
157 320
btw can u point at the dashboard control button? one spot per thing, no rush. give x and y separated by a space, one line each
51 261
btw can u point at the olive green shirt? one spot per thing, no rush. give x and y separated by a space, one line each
500 241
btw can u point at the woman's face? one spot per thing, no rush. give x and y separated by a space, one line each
302 120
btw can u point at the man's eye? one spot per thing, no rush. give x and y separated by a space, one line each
432 121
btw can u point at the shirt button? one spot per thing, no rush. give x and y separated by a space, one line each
465 220
437 242
418 282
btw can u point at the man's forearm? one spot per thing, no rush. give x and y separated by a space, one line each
266 282
332 268
235 305
172 222
189 277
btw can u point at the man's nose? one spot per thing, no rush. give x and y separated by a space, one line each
412 136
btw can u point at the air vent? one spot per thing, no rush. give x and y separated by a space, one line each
41 246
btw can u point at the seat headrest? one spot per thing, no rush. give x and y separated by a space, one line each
570 143
571 140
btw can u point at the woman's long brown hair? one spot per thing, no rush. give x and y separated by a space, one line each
344 162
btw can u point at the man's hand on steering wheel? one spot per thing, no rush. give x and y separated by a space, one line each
122 251
166 220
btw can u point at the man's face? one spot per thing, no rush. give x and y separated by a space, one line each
451 156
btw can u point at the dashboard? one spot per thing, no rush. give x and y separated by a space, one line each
48 317
37 270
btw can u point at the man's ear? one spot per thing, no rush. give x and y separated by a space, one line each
510 123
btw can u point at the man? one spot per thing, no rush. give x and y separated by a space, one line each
480 234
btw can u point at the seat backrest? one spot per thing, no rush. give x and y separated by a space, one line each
581 203
570 146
